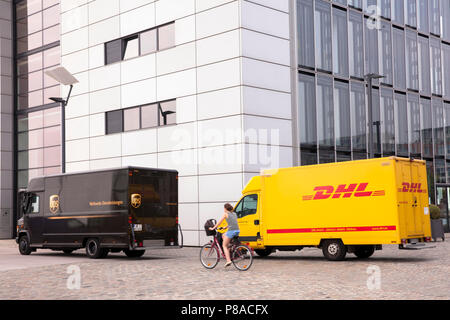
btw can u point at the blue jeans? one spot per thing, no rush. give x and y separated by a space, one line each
232 233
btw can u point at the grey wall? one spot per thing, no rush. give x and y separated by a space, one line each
6 120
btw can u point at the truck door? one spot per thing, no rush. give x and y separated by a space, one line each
34 219
411 204
419 201
248 218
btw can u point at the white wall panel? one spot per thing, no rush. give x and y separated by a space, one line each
77 150
218 20
256 17
282 5
179 137
106 77
202 5
221 159
126 5
187 190
185 30
217 48
97 56
221 131
71 4
220 188
139 142
137 20
266 103
219 103
104 31
74 19
139 68
74 41
97 124
219 75
266 75
76 62
260 157
105 147
186 109
105 100
105 163
102 9
170 10
77 128
279 132
184 161
78 106
176 85
138 93
176 59
144 160
77 166
264 47
188 216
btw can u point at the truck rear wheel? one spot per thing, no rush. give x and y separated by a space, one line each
93 249
24 246
334 250
364 252
134 253
264 252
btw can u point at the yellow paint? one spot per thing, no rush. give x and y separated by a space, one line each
389 213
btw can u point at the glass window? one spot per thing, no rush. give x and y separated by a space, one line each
445 18
436 67
342 119
446 67
28 7
426 126
166 36
247 206
376 117
401 115
51 16
438 127
412 60
399 58
358 112
34 204
340 42
398 13
385 55
308 157
343 2
305 31
435 17
114 121
356 51
414 124
51 35
411 13
130 48
52 57
131 119
423 21
52 156
355 3
424 65
307 110
52 117
35 139
168 113
113 51
440 170
52 136
369 6
326 156
385 8
343 157
371 58
388 123
149 116
323 36
325 111
35 120
447 127
36 158
148 41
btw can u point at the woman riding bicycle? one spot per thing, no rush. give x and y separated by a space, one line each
233 229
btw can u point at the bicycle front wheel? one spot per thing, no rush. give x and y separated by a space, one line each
242 258
209 256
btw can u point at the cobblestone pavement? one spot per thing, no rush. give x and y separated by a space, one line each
178 274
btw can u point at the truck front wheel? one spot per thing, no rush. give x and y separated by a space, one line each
24 246
364 252
334 250
264 252
93 249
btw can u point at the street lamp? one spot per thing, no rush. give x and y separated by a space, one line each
64 77
369 78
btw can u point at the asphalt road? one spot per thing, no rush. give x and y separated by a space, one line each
178 274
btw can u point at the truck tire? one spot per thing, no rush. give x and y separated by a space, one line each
93 249
134 253
364 252
334 250
264 252
24 246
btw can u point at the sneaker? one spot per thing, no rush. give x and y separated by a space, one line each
228 264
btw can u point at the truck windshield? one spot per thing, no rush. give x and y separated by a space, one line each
247 206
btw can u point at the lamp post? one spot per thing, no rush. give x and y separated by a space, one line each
369 78
64 77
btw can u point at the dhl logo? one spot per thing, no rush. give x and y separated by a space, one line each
411 188
358 190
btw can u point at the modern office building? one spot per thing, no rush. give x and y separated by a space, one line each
219 89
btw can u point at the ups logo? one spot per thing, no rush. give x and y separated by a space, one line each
136 200
54 203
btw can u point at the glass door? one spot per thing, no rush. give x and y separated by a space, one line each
443 195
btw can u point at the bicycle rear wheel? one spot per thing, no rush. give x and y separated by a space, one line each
209 256
242 258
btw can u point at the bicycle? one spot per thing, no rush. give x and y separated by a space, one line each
212 252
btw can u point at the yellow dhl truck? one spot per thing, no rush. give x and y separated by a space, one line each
349 207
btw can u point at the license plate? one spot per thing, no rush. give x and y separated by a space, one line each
137 227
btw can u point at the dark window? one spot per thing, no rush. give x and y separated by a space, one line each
247 206
114 122
113 51
34 204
